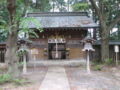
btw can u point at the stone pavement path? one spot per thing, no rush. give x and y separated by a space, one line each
97 80
55 79
71 78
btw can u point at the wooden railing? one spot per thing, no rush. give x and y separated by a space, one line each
2 55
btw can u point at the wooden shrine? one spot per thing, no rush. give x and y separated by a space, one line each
62 34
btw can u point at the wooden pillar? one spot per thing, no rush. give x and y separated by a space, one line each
94 34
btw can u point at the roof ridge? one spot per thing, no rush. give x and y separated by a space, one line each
38 14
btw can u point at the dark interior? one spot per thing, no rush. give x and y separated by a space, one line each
61 51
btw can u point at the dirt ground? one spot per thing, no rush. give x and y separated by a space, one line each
34 77
107 79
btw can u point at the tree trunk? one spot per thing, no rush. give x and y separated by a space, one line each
11 55
104 43
104 26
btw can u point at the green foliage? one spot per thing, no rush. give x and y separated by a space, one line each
5 78
77 1
40 6
25 23
21 52
115 36
3 22
80 7
5 28
20 64
109 61
98 67
111 9
97 61
3 35
3 11
59 4
19 81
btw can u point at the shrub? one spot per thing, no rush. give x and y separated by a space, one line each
96 62
109 61
98 67
5 78
19 81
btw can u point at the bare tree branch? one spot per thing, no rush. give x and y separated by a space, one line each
97 10
113 23
26 3
11 9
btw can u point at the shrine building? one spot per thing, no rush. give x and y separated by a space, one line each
61 36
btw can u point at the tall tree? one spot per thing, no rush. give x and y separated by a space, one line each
108 17
59 5
41 6
15 24
11 56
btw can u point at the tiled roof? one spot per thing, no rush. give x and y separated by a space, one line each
62 19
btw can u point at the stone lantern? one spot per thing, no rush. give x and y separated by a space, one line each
23 49
34 52
88 47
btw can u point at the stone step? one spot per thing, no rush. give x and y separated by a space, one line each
57 63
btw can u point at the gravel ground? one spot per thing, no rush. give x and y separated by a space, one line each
97 80
34 76
107 79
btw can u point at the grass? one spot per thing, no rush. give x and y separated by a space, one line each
109 61
98 66
19 81
6 78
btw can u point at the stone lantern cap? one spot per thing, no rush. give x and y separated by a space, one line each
88 44
24 41
88 39
23 44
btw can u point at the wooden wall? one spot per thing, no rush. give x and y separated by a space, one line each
72 37
75 49
76 53
2 55
2 52
97 54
